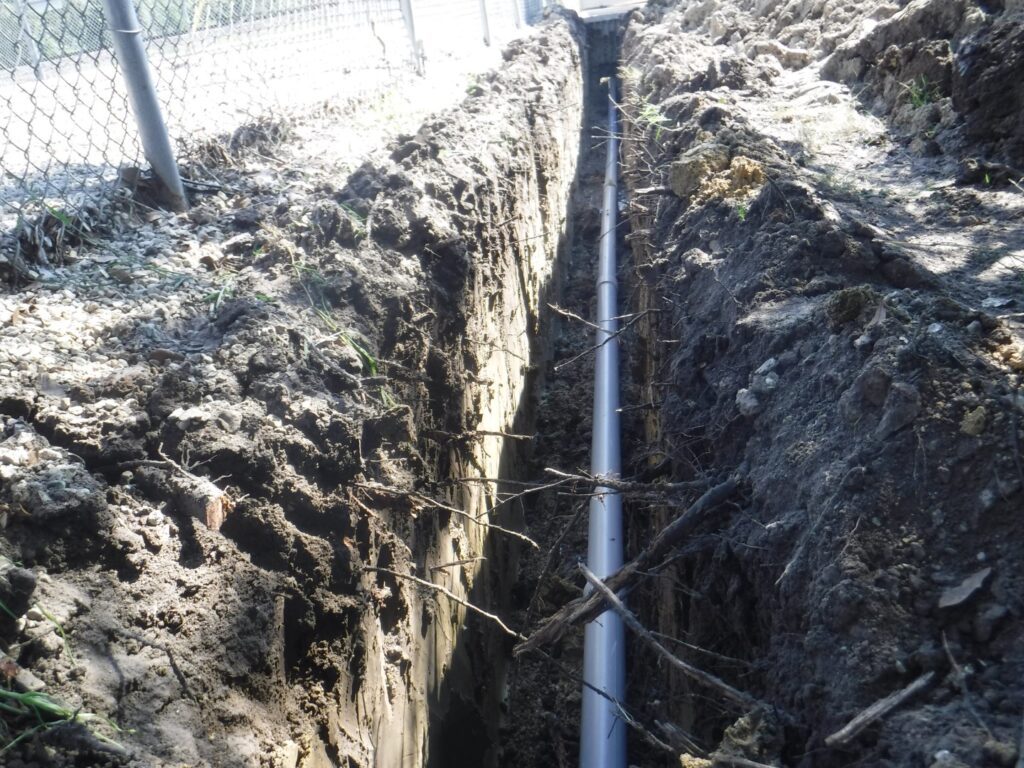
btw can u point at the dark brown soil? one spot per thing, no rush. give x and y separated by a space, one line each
228 440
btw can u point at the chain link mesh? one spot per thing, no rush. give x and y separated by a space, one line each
65 121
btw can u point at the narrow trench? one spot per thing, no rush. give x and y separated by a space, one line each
328 620
541 705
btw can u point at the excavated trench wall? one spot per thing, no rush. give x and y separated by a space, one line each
483 199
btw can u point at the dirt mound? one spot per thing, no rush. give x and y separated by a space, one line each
807 338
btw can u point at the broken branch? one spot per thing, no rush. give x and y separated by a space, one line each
610 337
626 486
585 608
878 710
695 673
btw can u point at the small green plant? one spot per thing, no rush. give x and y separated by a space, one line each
741 211
630 74
358 221
23 715
216 298
920 91
651 116
60 631
369 361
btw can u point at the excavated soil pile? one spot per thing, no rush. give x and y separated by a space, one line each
832 271
226 441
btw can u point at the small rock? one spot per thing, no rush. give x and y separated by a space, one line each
49 644
229 420
965 590
854 479
846 305
902 406
765 384
748 403
996 302
766 367
863 341
190 417
973 423
999 753
975 328
26 681
35 614
946 759
694 166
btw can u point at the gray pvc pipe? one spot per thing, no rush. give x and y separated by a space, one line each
602 730
131 56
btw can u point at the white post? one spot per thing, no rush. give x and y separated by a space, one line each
131 55
484 22
410 28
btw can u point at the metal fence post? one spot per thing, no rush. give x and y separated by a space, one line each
410 28
127 34
484 22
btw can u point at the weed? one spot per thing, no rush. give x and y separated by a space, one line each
358 221
34 712
178 278
370 365
741 211
921 92
651 116
474 88
369 361
216 298
60 631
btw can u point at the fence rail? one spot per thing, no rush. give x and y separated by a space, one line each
67 128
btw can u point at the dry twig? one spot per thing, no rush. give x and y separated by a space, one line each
585 608
610 337
627 486
427 501
695 673
961 683
450 595
878 710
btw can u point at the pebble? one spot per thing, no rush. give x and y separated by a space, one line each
973 422
764 384
902 405
958 595
748 403
1000 753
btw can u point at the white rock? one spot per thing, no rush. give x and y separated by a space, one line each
748 403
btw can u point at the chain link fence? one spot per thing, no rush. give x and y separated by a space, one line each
68 131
